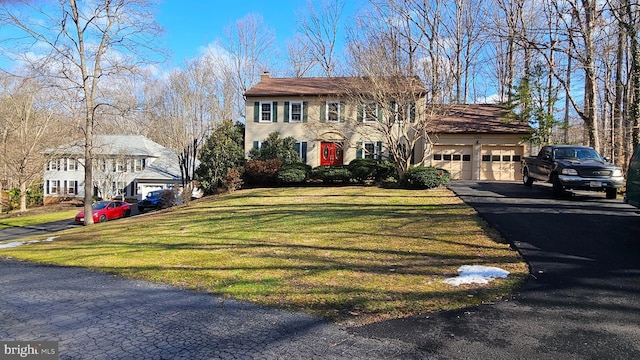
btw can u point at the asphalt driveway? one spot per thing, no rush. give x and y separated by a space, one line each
582 300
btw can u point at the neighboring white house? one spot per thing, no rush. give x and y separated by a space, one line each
123 165
331 127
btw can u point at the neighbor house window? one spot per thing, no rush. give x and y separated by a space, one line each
54 186
266 109
72 187
295 111
138 165
54 165
121 165
72 164
333 111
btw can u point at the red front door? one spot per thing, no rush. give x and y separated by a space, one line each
330 153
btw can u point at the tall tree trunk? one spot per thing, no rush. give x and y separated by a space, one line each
618 143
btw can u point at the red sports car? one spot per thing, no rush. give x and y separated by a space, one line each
106 210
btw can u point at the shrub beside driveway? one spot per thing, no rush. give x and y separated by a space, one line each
352 254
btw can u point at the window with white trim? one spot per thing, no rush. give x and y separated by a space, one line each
333 111
266 111
295 111
72 164
72 187
54 186
301 147
370 111
121 165
370 150
138 165
403 111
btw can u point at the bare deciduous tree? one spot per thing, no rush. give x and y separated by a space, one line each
319 34
249 44
77 45
30 123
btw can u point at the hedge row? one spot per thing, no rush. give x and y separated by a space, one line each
360 171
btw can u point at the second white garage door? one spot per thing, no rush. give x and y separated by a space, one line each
501 163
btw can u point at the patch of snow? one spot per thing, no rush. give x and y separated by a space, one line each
20 243
478 274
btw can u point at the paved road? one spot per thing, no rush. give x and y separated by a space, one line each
581 302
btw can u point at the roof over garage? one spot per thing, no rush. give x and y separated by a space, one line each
478 119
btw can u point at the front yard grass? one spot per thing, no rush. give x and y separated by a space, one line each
29 219
354 255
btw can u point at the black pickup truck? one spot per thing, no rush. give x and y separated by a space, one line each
572 167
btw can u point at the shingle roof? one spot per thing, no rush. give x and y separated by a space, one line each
134 145
165 167
478 118
323 86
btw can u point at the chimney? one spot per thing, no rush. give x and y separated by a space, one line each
265 75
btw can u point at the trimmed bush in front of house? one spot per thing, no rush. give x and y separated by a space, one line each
370 170
331 174
422 177
292 174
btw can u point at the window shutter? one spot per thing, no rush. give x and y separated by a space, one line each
359 150
274 112
304 112
360 116
379 112
256 111
379 150
394 111
323 112
341 111
304 152
412 111
46 189
256 145
286 111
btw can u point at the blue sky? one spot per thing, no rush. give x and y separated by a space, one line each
192 25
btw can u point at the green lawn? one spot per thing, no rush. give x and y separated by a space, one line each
27 219
351 254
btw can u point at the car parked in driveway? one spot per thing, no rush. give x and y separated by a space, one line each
573 167
632 194
105 211
157 199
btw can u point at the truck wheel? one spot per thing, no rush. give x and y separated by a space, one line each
612 193
558 189
528 181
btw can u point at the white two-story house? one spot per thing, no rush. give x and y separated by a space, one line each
329 121
123 165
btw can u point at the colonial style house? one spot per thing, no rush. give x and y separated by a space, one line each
123 165
331 120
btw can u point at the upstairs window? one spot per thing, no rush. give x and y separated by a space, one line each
370 111
333 111
266 111
295 111
138 165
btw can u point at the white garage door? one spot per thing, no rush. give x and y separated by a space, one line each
455 159
501 163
